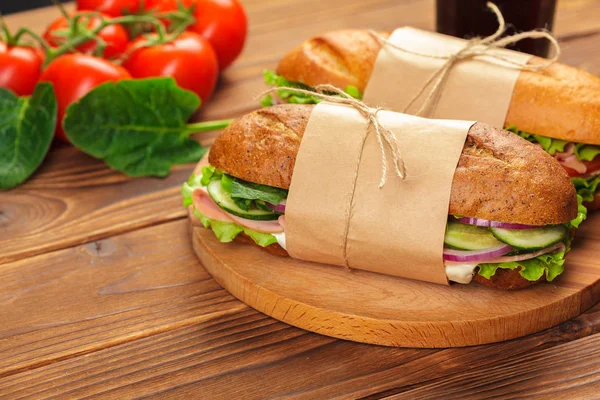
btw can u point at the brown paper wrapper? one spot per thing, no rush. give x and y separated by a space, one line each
396 230
478 88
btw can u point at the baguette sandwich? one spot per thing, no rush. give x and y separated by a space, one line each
509 214
557 108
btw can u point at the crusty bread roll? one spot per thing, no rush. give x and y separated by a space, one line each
499 175
560 102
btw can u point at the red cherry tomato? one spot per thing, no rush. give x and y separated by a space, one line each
189 59
592 166
114 8
115 36
222 22
20 68
74 75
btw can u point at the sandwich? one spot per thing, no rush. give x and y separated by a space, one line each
509 217
557 108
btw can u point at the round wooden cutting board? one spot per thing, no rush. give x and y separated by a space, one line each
379 309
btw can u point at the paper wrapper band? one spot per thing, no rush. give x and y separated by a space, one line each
337 214
478 88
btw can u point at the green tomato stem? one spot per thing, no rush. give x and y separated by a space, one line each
35 36
208 126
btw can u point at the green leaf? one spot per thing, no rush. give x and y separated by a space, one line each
137 126
260 238
227 231
586 152
271 78
253 191
587 188
188 188
551 265
26 130
226 182
353 91
210 173
581 213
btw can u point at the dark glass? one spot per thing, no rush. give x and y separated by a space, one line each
470 18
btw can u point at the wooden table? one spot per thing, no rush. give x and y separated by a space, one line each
102 296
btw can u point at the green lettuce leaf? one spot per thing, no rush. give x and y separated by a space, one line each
210 173
186 191
227 231
551 265
581 213
550 145
587 188
586 152
260 238
271 78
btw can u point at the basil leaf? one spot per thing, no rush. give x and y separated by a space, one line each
26 130
253 191
137 126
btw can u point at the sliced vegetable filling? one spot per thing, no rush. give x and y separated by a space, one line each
230 206
581 161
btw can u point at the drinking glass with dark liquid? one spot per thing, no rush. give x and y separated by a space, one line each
471 18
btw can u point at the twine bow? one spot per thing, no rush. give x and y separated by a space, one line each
474 48
384 136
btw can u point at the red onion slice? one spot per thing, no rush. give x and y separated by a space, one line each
494 224
277 207
478 255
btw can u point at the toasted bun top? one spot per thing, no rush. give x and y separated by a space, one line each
560 101
499 176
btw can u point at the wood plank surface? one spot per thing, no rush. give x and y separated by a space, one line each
149 322
248 355
102 296
569 371
103 293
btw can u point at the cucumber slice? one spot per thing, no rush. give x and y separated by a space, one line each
224 200
531 239
469 237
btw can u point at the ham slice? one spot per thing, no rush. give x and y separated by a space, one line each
259 226
574 163
207 207
568 159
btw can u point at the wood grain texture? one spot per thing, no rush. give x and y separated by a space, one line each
569 371
103 293
248 355
380 309
102 320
